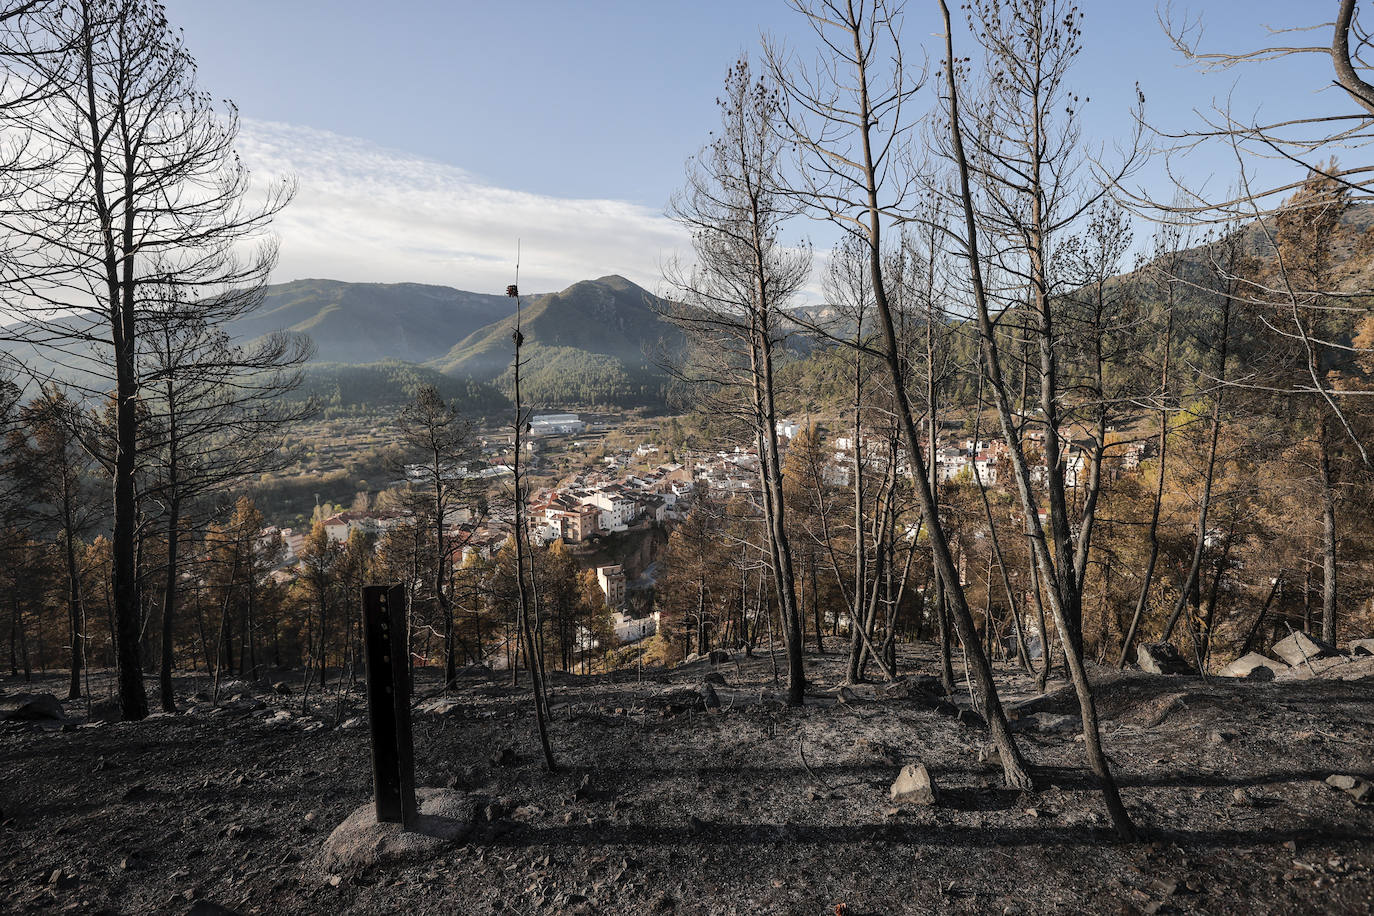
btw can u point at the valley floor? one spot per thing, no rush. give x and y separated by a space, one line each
662 807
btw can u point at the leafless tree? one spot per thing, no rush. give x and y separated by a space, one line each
1309 144
55 473
1023 155
214 417
127 182
432 430
1162 277
849 117
528 625
735 295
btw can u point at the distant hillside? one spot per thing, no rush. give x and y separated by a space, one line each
369 322
390 384
594 342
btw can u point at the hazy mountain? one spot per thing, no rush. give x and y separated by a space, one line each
369 322
610 317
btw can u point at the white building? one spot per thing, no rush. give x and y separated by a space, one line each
633 629
618 509
556 424
340 526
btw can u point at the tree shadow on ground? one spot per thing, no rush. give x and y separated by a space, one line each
723 833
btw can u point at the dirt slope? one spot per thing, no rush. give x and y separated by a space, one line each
663 807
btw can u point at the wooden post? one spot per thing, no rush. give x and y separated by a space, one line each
388 704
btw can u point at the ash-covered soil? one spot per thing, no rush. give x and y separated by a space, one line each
663 807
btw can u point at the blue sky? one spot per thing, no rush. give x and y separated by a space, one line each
428 137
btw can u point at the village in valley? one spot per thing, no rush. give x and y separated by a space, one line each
609 495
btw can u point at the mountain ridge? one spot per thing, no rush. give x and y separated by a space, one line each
372 322
592 342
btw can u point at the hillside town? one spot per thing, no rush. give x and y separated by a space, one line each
627 493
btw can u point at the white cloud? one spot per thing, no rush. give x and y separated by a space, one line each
365 213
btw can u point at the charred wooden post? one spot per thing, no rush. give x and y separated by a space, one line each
388 704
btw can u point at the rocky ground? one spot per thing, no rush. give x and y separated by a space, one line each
663 806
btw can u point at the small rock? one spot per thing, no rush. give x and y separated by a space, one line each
846 696
442 707
1359 789
1241 798
1164 887
913 785
1362 647
1221 737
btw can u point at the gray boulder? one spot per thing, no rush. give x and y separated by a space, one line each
31 707
913 786
1362 647
440 707
1254 665
1299 648
445 818
1162 658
